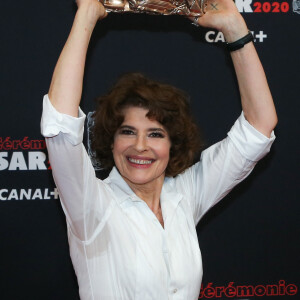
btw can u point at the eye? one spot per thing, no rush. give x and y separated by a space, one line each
156 134
126 131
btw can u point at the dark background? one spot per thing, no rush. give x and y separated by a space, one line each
250 238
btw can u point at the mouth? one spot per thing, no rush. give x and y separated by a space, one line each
140 162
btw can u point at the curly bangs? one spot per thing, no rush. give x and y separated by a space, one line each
166 104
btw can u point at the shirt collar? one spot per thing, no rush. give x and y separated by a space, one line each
123 192
119 186
169 200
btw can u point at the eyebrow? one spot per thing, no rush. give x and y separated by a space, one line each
149 129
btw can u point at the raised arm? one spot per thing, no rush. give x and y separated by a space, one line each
257 101
62 124
66 85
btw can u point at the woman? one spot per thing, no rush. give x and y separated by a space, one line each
132 236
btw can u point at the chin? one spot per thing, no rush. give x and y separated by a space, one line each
139 179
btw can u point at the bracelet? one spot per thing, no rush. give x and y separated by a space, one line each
241 42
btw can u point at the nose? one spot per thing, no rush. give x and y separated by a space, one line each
141 143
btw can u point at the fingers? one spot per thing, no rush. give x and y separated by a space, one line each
203 20
104 15
94 9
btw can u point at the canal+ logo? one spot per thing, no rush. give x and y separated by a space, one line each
217 36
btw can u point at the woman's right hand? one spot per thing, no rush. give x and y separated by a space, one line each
96 10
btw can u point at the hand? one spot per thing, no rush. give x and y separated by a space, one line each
224 16
95 9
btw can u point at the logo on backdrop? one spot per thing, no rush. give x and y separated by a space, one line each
231 290
296 6
217 36
91 153
249 6
24 154
28 194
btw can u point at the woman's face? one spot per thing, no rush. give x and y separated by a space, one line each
141 147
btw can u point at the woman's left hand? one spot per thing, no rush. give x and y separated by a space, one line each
256 98
224 16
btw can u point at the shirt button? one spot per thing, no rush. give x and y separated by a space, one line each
175 291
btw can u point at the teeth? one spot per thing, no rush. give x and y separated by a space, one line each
139 161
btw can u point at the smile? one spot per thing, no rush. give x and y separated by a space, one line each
140 161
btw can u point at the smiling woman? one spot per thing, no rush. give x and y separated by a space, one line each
141 153
133 235
141 144
165 104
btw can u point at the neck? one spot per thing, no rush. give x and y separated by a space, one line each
149 192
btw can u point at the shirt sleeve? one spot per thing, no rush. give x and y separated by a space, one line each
83 197
222 166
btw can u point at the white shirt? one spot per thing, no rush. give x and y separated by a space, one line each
118 248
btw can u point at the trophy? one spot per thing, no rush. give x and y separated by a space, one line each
189 8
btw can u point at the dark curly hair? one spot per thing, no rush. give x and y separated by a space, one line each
166 104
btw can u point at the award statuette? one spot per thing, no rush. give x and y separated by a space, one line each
189 8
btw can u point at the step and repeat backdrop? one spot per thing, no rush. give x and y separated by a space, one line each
250 241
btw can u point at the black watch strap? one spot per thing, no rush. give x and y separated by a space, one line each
241 42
